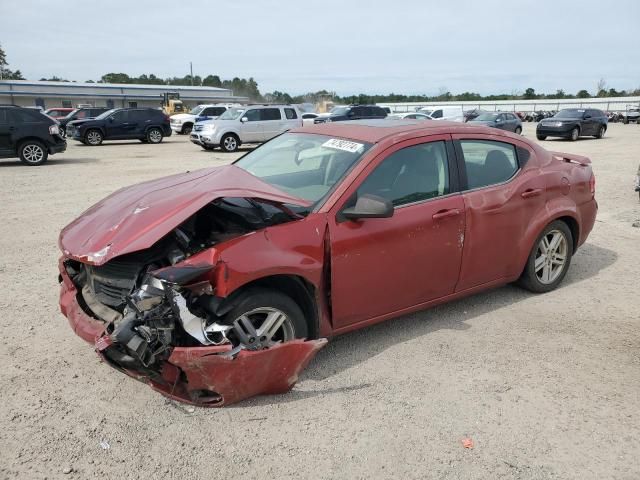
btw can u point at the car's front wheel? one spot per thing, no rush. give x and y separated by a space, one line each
93 138
264 317
518 131
154 135
575 133
33 153
601 131
541 137
229 143
186 129
549 259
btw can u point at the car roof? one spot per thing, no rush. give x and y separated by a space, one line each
373 131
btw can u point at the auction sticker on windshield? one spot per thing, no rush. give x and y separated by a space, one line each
345 145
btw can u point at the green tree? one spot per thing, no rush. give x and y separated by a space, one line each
5 73
529 94
583 94
115 78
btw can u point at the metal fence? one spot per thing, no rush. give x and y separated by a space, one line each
610 104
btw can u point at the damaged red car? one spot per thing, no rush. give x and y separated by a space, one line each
206 284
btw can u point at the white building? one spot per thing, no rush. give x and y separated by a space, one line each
27 93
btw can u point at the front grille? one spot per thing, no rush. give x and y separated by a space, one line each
113 281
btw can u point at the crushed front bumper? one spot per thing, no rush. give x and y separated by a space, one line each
207 376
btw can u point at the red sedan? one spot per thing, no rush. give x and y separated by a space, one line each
325 229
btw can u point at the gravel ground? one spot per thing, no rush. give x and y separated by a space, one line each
546 386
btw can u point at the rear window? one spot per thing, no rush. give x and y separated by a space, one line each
290 113
20 115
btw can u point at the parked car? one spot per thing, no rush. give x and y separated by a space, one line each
308 117
83 113
58 113
251 124
149 125
572 123
240 260
352 112
502 120
409 116
452 113
29 135
632 115
182 123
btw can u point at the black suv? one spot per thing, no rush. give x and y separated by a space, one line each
352 112
28 134
148 125
573 123
84 113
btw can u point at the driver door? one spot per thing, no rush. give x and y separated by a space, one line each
381 266
117 125
251 130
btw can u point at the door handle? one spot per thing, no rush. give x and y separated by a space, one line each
446 213
531 192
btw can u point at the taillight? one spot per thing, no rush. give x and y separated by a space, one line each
592 184
54 130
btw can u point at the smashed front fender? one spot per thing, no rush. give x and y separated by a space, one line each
212 377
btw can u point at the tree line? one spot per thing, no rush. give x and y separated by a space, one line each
249 88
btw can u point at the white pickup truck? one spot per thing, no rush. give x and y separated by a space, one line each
182 123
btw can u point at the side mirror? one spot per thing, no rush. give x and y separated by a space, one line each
244 119
498 120
369 206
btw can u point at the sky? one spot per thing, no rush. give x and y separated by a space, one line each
346 46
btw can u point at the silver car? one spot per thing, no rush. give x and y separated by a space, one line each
502 120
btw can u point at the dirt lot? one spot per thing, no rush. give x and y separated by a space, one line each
546 386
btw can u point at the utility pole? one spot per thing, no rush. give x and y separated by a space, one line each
191 68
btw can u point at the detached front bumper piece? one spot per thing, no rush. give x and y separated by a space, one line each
211 377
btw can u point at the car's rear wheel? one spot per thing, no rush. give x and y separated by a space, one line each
541 137
264 317
601 131
186 129
154 135
229 143
549 259
33 152
518 131
93 138
575 133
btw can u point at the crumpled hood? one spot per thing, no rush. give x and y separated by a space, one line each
134 218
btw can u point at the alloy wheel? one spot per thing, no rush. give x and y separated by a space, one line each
262 328
94 138
230 144
155 136
33 153
551 257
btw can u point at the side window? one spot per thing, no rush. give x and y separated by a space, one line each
270 114
120 116
308 115
252 115
140 115
410 175
4 118
436 114
290 113
488 162
20 116
81 114
217 111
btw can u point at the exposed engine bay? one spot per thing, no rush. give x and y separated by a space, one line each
151 304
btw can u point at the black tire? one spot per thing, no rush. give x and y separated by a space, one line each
575 134
257 298
601 131
186 129
154 135
33 153
529 278
541 137
229 142
93 137
518 131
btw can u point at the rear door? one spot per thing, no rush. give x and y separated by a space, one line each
271 122
6 130
384 265
501 196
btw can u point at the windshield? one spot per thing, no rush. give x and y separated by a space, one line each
339 110
303 165
425 111
197 110
570 113
105 114
232 114
72 113
487 116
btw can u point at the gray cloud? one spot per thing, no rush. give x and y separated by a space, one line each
350 46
